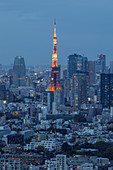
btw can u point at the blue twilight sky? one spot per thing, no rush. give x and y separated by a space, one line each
83 26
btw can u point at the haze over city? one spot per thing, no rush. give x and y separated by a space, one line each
83 27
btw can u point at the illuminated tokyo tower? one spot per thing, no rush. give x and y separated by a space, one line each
54 80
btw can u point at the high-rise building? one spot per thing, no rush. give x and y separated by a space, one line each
65 73
106 86
72 66
0 69
111 66
77 63
62 68
102 60
79 89
47 99
19 72
61 162
85 64
67 90
100 67
55 78
5 94
91 70
59 97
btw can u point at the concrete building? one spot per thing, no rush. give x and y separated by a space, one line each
14 138
86 166
4 130
61 162
8 164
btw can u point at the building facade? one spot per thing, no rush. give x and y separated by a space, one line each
77 63
79 89
8 164
100 67
106 87
19 72
61 162
91 70
111 66
47 99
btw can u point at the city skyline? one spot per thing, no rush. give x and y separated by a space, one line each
27 28
56 104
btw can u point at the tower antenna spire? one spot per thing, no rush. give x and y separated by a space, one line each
55 80
54 21
54 56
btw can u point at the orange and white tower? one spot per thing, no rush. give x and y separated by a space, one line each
54 80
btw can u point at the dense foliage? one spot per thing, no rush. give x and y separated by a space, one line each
104 149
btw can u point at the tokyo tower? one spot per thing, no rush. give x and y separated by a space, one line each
54 80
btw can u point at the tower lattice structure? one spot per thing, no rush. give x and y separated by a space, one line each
55 79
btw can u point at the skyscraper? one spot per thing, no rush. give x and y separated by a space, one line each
106 86
59 97
72 66
0 69
67 89
85 64
102 61
47 99
77 63
79 89
55 79
65 73
100 67
5 94
111 66
91 70
19 72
